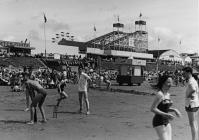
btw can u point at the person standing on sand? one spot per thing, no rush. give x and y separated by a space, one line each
84 79
191 101
161 108
37 99
62 93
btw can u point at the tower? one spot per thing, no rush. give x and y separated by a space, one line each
118 26
141 35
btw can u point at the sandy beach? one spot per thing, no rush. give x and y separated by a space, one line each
114 116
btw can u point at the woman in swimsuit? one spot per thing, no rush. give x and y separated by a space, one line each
161 108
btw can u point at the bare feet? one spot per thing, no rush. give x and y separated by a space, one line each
88 113
30 122
27 109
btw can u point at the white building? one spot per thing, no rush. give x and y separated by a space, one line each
167 55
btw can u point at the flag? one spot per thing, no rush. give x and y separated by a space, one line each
140 15
25 41
45 19
118 18
158 39
94 28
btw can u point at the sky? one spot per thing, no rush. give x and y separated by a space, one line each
172 21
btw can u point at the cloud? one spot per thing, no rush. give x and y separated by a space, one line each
55 25
168 38
108 9
79 38
11 1
36 17
162 31
9 38
34 35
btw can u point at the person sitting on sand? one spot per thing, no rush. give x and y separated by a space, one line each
161 108
37 99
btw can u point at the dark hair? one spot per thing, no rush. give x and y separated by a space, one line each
26 74
188 69
161 81
195 76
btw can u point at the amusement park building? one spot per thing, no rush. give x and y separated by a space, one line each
15 48
167 55
116 43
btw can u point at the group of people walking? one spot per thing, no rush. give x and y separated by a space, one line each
162 105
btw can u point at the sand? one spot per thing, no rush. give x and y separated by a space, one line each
114 116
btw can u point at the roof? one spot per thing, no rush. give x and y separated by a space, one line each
81 45
20 47
70 43
156 53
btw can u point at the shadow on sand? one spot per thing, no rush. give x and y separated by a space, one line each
13 121
123 91
67 112
13 110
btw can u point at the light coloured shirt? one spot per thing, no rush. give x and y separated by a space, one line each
83 82
192 85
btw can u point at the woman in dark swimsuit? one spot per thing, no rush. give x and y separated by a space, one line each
161 108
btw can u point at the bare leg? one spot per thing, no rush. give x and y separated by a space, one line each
63 96
27 101
169 131
87 102
80 102
58 102
35 114
32 109
162 132
42 113
193 124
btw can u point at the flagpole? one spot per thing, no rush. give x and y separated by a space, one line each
157 68
45 33
45 38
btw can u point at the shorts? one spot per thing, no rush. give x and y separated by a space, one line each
159 120
60 90
42 91
83 93
38 100
193 109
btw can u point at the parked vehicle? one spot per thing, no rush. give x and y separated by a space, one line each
131 72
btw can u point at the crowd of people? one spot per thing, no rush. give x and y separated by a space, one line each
161 107
35 82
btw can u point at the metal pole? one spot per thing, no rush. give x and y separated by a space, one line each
45 38
158 56
157 67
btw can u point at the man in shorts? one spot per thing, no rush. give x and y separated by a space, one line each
84 79
37 99
191 101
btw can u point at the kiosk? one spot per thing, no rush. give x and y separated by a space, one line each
131 72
